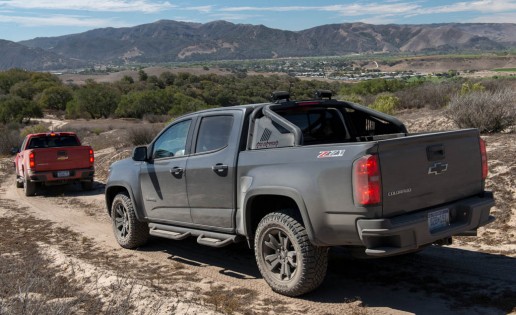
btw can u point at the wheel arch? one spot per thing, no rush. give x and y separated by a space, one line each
114 190
262 201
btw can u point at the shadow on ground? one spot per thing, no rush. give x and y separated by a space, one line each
438 280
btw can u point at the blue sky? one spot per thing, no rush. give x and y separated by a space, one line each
26 19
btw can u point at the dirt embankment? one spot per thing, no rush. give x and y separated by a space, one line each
68 233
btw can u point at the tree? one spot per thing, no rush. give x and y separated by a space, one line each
138 103
55 97
142 75
15 108
97 100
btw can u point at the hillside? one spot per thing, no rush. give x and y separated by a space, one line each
169 41
15 55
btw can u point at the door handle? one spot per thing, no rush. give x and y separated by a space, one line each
220 168
176 171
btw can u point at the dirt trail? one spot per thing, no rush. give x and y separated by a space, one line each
438 280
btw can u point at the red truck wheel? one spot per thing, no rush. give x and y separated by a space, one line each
29 187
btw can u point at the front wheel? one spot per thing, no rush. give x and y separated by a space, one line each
287 260
129 232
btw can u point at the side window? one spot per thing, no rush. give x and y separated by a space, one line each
172 142
214 133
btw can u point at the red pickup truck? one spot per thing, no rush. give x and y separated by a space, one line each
53 158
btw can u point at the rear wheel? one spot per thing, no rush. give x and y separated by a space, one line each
287 260
19 182
28 187
129 232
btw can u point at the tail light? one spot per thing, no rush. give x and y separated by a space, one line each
92 157
367 185
32 158
483 153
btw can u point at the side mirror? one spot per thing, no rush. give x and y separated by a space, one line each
140 153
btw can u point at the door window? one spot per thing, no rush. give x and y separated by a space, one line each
172 142
214 133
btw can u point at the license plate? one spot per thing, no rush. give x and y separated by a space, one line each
438 219
63 173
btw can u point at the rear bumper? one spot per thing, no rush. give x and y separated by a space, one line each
405 233
52 177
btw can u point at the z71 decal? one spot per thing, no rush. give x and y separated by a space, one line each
330 154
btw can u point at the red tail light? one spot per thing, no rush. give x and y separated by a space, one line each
32 162
92 157
483 152
367 185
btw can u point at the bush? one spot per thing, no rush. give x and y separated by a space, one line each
429 94
488 111
386 104
143 135
39 128
10 139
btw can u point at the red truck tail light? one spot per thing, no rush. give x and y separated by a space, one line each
367 185
32 162
483 153
92 157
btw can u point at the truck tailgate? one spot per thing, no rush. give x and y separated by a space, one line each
426 170
62 158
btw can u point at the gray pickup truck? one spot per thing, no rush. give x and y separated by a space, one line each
294 178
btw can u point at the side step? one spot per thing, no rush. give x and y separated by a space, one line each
213 239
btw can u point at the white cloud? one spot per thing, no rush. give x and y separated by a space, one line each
89 5
59 20
342 9
485 6
202 9
496 18
234 17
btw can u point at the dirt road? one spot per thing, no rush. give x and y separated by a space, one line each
194 279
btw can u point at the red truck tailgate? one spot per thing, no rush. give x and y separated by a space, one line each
61 158
422 171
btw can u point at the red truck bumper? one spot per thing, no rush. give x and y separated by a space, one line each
62 176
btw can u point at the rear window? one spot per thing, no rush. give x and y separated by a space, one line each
320 125
53 142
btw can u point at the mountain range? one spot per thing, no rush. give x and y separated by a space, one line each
172 41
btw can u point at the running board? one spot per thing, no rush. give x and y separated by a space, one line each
212 239
168 234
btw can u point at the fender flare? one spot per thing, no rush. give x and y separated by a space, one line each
118 185
280 191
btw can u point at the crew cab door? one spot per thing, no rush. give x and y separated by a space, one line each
211 169
163 177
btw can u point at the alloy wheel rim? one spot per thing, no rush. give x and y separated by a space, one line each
121 220
279 255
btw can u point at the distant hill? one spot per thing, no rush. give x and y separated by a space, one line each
168 41
14 55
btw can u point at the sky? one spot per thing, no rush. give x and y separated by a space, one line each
27 19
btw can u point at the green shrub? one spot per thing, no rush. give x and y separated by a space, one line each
39 128
386 104
488 111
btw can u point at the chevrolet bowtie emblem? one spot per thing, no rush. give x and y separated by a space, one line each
437 168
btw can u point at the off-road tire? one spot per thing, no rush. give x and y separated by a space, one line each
19 182
88 185
129 232
29 188
307 263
